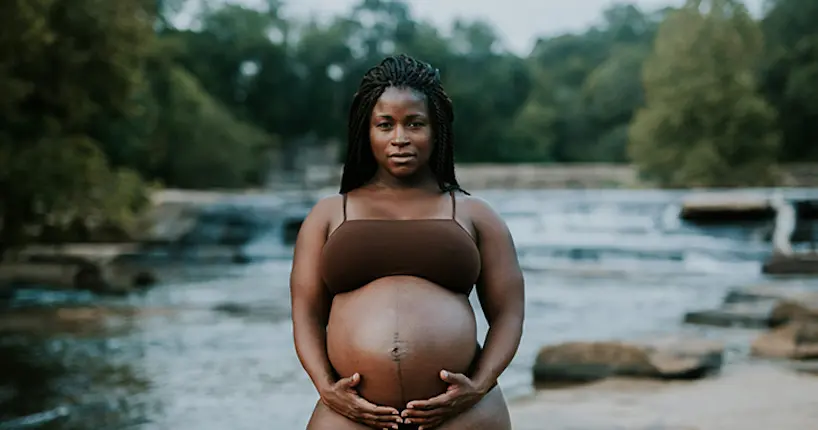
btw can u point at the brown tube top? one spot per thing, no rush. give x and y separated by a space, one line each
360 251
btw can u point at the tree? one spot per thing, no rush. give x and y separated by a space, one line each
790 73
595 82
704 123
197 143
63 66
611 94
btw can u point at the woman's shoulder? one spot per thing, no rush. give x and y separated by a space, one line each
327 205
329 200
476 207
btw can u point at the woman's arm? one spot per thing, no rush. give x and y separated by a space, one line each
310 307
501 293
310 299
500 289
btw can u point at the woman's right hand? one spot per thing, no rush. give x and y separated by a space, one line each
342 398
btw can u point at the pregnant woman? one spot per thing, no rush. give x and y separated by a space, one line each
383 270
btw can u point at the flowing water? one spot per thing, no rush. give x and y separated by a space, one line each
214 349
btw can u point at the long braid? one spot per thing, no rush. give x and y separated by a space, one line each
399 71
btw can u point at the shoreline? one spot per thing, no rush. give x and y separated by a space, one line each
482 176
734 399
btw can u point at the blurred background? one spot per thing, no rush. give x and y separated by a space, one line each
654 159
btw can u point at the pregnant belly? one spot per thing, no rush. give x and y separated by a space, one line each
398 333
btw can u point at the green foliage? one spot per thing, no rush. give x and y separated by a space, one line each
219 151
63 66
611 94
790 74
595 84
101 100
704 123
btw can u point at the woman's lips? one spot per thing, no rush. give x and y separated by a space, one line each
402 158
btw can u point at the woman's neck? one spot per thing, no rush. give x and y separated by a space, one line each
423 180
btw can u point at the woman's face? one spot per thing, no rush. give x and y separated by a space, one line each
400 132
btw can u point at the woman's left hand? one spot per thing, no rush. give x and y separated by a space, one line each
461 395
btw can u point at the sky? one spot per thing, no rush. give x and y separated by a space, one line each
518 22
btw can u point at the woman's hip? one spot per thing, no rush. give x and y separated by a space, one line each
491 413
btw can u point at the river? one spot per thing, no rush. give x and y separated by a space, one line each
213 349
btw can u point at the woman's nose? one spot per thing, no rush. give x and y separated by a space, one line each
400 139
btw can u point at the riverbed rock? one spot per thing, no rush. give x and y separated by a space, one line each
272 311
761 293
797 340
577 362
791 310
75 320
726 207
760 307
78 266
795 264
749 314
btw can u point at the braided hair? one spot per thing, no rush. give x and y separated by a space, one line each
400 71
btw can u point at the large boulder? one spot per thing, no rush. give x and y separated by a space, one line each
797 340
577 362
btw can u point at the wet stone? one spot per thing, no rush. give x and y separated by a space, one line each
759 307
578 362
268 312
798 264
797 340
750 315
758 294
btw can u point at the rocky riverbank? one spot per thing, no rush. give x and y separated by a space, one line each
608 270
192 226
514 176
540 176
748 396
181 227
763 339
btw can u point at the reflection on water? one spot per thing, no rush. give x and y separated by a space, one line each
72 382
214 350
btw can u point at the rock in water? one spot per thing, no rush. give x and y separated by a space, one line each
748 314
761 293
577 362
759 308
588 361
796 264
794 310
797 340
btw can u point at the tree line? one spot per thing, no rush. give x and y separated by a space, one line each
103 100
